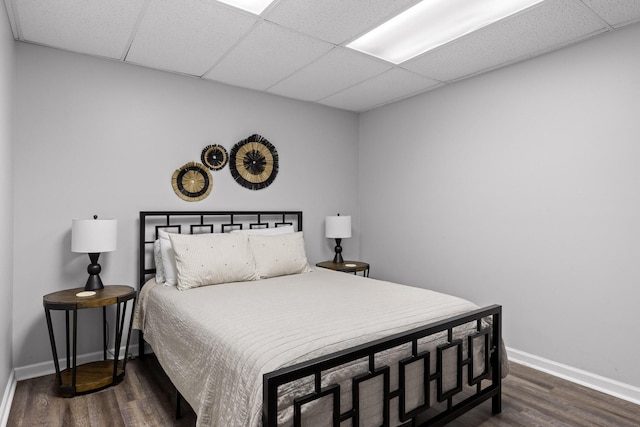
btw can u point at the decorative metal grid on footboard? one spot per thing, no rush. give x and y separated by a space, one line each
453 366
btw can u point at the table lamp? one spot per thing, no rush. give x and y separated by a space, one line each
94 236
338 227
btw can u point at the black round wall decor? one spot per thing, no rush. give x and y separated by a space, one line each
192 182
214 157
254 162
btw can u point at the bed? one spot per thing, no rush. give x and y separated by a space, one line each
291 345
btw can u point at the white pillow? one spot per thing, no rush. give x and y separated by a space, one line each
273 231
168 259
157 260
279 255
210 259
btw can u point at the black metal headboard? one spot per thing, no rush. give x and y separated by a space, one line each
194 222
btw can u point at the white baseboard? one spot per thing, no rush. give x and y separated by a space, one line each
605 385
46 368
7 398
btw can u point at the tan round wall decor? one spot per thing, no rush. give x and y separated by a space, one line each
192 182
214 157
254 162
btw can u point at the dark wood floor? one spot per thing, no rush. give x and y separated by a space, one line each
146 398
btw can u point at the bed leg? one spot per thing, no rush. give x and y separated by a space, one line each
178 411
496 404
140 346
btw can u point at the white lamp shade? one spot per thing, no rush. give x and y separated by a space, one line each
338 227
94 235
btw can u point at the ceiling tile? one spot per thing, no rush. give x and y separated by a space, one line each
187 36
389 86
335 21
291 50
335 71
616 12
96 27
550 24
267 55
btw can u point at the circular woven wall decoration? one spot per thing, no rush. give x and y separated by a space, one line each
254 162
192 182
214 157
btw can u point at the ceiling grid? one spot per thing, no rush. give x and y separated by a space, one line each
295 48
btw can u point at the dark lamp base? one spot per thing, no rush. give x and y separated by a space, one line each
338 257
94 282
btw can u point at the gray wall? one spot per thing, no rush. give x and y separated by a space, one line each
517 187
7 66
520 187
99 136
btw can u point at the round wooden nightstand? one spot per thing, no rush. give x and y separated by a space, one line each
91 376
347 266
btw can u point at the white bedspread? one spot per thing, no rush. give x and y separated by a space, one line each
216 342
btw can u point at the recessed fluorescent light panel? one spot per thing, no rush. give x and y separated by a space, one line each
253 6
432 23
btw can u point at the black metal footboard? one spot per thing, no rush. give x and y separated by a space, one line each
479 382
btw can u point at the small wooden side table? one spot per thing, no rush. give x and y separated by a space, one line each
347 266
91 376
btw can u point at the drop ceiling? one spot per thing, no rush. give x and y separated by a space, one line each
295 48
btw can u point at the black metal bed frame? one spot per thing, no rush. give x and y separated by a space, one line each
425 414
445 406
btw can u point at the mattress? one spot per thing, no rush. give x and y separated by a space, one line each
216 342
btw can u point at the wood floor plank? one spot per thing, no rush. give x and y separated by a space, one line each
547 409
105 406
75 412
146 397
